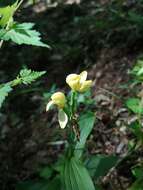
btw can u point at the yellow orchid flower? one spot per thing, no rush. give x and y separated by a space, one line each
57 99
79 82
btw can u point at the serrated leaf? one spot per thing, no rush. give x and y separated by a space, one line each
134 104
23 34
28 76
6 14
75 176
4 92
100 165
86 124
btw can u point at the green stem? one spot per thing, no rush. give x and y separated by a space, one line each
8 23
73 102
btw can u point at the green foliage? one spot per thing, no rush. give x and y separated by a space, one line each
26 76
4 90
22 34
99 165
86 123
6 14
75 176
137 185
138 173
40 185
85 99
16 32
137 70
137 130
46 172
134 104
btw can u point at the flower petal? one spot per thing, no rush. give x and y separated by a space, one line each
63 118
49 105
83 76
72 77
86 85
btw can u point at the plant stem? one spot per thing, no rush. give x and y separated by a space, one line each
72 103
7 25
20 2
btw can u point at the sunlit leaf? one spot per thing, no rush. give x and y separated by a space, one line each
134 104
22 34
6 14
28 76
4 91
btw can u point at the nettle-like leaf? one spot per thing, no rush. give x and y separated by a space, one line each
75 176
22 34
134 104
6 14
4 91
28 76
86 123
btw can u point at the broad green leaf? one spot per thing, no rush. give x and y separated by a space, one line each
6 14
62 118
137 185
138 172
4 90
140 72
22 34
137 130
86 124
40 185
75 176
134 104
100 165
